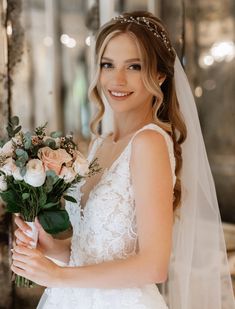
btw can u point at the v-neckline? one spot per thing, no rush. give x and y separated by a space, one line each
107 170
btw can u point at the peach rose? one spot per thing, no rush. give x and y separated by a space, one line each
53 159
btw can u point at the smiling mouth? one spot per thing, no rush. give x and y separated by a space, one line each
119 95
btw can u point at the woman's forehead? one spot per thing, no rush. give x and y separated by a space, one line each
122 45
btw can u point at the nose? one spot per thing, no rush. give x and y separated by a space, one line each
119 77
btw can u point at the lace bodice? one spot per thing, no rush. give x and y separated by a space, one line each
106 228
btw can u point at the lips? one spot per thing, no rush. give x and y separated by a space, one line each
120 95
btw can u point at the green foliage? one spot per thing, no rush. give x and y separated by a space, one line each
50 143
13 128
27 140
70 198
56 134
11 199
40 131
54 221
25 196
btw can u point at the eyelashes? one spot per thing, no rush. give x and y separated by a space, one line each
105 65
108 65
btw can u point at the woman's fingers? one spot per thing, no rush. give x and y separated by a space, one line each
22 225
22 237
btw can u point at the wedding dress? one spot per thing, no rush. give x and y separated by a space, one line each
106 230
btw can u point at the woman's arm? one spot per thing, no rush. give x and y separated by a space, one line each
153 190
60 250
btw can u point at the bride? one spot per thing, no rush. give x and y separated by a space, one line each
151 216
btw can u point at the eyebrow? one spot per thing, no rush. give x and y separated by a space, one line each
126 61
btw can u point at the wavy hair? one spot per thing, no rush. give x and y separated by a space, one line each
156 57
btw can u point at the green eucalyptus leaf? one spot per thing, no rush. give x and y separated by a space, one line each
52 175
23 171
50 143
20 162
55 221
17 130
42 198
19 152
28 135
27 144
56 134
25 196
50 205
14 120
70 198
10 132
49 184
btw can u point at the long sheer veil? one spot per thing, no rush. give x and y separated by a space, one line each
198 274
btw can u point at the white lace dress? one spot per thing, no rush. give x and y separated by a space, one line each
106 230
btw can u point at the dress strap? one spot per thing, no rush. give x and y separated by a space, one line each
169 143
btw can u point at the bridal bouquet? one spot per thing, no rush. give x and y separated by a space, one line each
36 170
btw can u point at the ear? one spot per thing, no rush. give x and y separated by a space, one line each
161 78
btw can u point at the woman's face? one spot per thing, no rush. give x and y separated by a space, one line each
121 76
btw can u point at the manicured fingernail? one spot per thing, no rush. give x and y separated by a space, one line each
32 243
28 233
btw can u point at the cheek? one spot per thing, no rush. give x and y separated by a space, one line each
103 80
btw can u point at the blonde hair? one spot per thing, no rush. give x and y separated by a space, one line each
156 58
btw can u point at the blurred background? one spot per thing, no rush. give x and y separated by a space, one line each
46 64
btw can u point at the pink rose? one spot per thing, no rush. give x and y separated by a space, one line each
53 159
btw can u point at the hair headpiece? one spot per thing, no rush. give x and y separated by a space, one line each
143 21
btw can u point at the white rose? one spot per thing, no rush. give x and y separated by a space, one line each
81 165
35 173
68 174
7 149
16 174
9 167
3 183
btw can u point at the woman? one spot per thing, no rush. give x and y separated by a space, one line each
122 240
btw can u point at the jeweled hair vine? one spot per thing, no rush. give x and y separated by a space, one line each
159 32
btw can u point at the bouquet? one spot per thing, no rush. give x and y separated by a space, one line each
36 170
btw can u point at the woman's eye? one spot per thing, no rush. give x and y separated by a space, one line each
135 67
106 65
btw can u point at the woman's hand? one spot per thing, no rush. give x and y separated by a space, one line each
33 265
45 240
54 248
